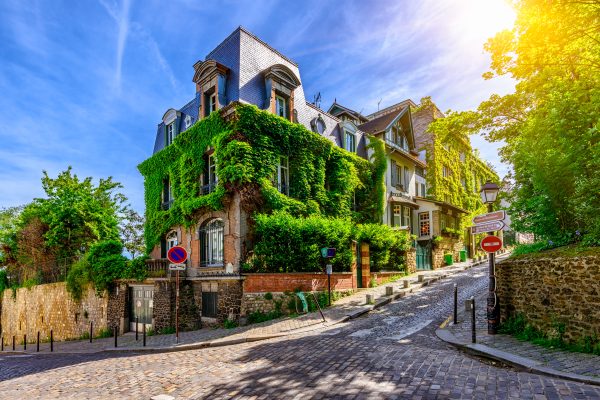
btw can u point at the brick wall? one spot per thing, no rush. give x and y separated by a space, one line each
306 282
50 307
380 277
550 290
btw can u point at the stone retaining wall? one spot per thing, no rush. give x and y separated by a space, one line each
552 290
50 307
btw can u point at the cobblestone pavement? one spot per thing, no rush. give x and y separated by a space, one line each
390 353
577 363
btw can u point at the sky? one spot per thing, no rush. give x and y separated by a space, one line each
84 83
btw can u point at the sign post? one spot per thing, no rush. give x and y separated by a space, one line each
328 253
177 255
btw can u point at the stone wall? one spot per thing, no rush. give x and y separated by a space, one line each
50 307
411 260
118 308
552 290
448 245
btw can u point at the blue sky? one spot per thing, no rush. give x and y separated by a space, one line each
84 83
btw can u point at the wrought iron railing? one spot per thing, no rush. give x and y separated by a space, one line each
206 189
158 268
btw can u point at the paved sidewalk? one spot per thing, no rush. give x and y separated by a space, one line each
344 309
569 365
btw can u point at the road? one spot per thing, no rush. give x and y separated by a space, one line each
390 353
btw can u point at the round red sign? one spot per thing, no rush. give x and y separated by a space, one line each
177 255
491 244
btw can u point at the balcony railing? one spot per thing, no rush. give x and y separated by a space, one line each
396 145
158 268
206 189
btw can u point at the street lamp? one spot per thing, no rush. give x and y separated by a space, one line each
489 193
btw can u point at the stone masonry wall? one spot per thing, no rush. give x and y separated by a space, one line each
448 245
117 308
552 290
50 307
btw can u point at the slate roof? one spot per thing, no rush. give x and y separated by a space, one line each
379 124
347 111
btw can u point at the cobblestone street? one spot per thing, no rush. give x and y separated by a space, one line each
390 353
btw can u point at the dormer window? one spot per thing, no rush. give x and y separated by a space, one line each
211 83
281 107
170 133
349 141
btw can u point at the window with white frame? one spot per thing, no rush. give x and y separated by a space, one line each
282 175
209 177
212 243
170 133
188 121
171 240
406 220
349 141
424 227
281 107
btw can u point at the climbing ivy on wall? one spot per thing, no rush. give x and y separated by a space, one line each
324 179
449 142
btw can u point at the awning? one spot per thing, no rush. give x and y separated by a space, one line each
396 197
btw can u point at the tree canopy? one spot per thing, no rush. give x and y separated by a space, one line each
550 124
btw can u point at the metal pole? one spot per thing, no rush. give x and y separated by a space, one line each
319 306
137 327
493 309
473 332
329 287
24 342
177 307
13 343
91 331
455 304
38 342
115 332
2 343
51 341
144 335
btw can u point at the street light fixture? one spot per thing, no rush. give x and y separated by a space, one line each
489 194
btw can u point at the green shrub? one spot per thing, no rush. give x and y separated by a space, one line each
77 278
268 296
259 316
166 330
228 324
387 247
150 332
106 263
104 333
288 244
3 281
136 269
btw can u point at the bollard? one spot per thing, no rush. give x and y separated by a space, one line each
144 335
389 290
91 331
137 327
369 299
406 284
51 341
421 277
455 304
37 349
2 343
13 343
473 334
115 336
24 342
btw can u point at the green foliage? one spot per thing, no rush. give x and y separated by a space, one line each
106 263
77 278
228 324
387 246
132 232
3 281
288 244
324 179
150 332
259 316
136 269
168 330
550 123
268 296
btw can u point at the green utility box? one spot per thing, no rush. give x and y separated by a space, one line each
463 255
448 259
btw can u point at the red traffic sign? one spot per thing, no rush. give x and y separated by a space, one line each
489 217
177 255
491 244
487 227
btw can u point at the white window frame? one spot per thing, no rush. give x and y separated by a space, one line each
424 221
396 214
214 242
281 101
212 171
170 133
347 135
212 103
406 216
283 175
171 240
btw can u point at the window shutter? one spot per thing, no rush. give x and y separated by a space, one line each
163 247
394 174
176 126
406 178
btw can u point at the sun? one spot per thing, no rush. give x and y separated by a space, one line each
482 19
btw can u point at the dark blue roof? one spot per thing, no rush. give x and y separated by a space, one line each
190 109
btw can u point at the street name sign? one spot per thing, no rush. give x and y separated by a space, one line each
487 227
328 252
491 244
176 267
177 255
489 217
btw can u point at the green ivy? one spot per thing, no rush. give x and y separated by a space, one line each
324 179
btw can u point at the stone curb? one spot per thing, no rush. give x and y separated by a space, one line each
523 363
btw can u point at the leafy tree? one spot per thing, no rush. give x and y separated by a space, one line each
132 232
106 263
551 123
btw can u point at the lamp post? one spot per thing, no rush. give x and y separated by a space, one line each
489 193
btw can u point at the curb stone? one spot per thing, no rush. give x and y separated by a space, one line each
523 363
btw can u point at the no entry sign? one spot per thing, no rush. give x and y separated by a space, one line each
491 244
177 255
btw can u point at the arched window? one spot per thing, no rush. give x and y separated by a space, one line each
211 243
